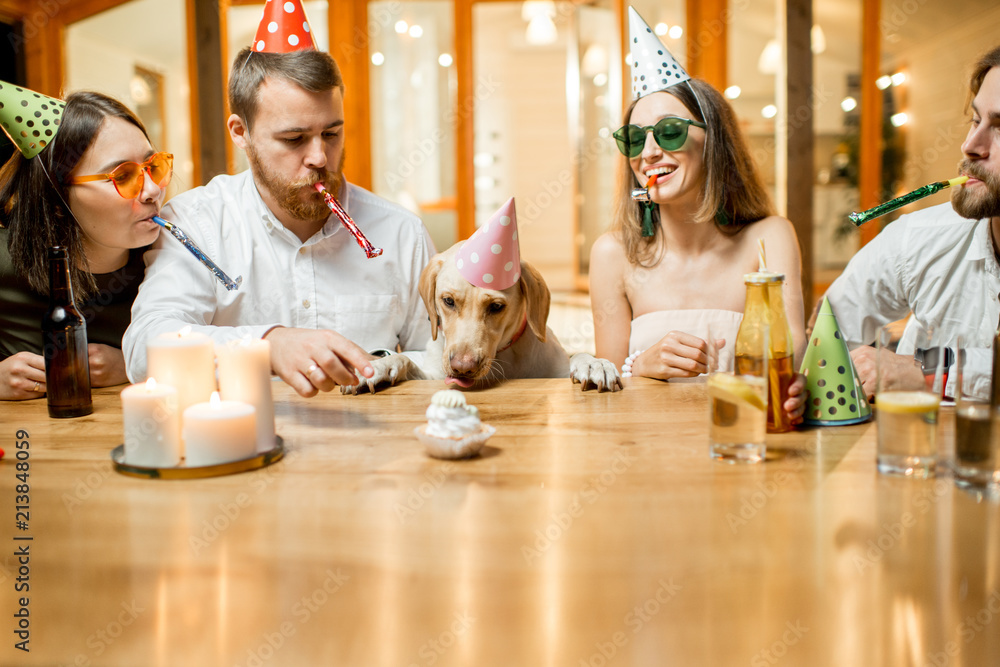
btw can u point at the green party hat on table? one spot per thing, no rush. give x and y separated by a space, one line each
30 119
836 397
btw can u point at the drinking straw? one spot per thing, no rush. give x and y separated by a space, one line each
878 211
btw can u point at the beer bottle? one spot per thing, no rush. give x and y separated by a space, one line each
765 307
64 345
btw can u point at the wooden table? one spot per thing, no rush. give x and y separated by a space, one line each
594 530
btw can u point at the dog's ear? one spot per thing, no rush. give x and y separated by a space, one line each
428 292
536 299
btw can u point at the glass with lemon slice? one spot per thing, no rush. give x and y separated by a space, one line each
737 407
906 407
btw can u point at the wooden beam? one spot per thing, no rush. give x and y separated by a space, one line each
348 21
208 90
707 50
870 141
465 120
794 130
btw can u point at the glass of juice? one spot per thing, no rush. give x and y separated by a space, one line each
976 459
737 404
906 404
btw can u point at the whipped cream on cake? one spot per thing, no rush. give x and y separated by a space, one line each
448 416
453 429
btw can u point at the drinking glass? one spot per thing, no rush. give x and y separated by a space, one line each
976 459
907 398
737 404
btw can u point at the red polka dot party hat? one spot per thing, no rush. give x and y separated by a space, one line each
283 28
653 68
491 258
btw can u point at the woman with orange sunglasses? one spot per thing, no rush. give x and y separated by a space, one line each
93 186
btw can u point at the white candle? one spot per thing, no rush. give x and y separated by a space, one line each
219 432
245 375
186 361
152 425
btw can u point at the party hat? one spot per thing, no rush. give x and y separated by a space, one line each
491 258
30 119
283 28
836 396
653 68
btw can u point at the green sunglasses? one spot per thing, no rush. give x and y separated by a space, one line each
670 134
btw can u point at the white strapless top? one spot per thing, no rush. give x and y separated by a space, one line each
648 329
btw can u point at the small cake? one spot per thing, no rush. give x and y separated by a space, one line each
453 429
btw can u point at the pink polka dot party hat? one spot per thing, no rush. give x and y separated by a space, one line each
491 258
283 28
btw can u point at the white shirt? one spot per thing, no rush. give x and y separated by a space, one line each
941 267
325 283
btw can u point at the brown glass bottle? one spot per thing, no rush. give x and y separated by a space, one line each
64 345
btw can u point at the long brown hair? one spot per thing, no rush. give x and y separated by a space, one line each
733 186
988 61
34 214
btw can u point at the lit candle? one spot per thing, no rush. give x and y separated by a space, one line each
152 425
245 375
219 432
186 361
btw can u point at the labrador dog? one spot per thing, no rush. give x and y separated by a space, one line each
480 337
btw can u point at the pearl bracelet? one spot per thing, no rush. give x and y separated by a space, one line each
627 366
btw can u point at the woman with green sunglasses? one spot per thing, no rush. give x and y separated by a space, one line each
87 178
670 269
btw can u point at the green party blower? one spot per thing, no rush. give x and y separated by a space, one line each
877 212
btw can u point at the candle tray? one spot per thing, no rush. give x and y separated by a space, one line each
255 462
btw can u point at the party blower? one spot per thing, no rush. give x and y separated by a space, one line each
877 212
179 234
642 194
345 219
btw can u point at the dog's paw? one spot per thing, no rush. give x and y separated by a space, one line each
388 371
590 372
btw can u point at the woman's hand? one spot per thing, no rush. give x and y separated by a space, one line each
22 376
676 355
107 365
795 404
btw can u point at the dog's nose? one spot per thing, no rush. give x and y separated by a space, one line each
464 364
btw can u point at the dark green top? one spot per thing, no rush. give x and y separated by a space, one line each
108 312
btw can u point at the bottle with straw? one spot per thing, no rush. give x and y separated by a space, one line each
765 311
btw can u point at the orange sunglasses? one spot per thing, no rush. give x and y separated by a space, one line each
128 176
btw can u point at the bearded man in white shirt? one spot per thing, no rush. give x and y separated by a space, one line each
307 287
940 264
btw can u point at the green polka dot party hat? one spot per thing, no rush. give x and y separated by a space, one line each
836 397
30 119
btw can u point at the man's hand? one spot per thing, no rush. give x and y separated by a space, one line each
22 376
676 355
310 359
899 371
107 365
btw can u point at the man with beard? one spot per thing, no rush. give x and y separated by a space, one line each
940 264
307 287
